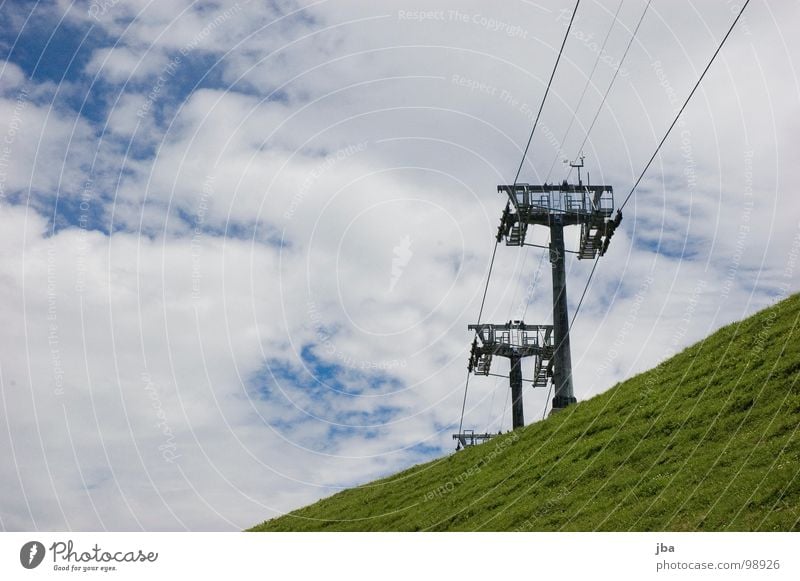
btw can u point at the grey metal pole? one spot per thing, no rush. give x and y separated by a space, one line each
562 372
515 380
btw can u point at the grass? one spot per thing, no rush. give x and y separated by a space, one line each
706 441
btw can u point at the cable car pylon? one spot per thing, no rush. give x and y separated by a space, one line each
555 206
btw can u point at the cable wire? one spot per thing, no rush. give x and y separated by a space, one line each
480 314
549 391
585 90
697 84
547 90
614 78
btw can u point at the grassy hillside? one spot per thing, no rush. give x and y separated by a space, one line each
708 440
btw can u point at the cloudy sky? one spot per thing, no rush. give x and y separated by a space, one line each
242 241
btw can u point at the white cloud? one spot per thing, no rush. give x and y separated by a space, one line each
13 77
137 375
42 149
121 65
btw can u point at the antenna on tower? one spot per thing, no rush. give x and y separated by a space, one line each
578 165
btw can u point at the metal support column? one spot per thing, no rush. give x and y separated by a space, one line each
562 373
515 381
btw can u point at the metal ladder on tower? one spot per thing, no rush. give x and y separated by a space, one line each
591 240
543 369
516 236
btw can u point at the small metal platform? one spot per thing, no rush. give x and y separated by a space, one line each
470 438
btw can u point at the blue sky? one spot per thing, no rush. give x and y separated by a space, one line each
242 243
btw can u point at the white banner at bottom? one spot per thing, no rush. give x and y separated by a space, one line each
401 556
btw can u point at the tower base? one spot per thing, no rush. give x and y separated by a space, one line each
560 402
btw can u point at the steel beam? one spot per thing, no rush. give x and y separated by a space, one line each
515 380
562 372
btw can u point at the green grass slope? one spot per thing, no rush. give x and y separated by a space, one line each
708 440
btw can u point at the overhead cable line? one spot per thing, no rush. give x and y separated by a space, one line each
697 84
585 89
547 90
480 314
614 78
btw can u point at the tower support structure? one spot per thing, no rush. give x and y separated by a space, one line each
515 383
515 341
557 206
562 357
